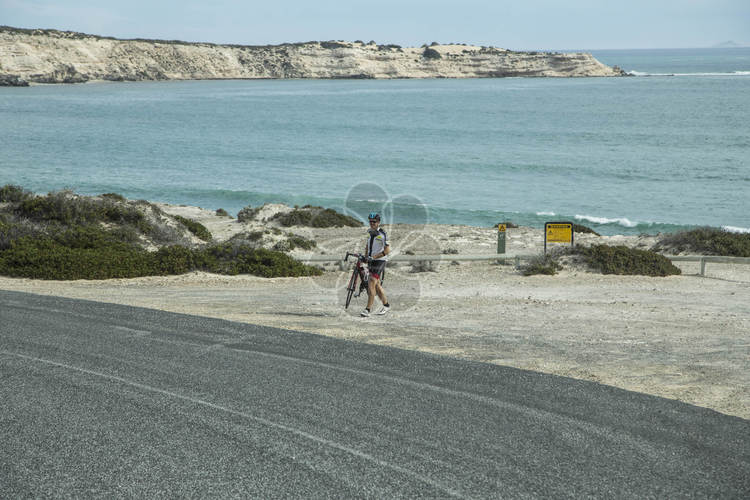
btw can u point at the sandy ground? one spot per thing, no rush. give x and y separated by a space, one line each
682 337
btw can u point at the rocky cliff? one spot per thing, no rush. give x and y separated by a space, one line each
50 56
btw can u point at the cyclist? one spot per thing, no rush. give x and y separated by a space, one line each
376 251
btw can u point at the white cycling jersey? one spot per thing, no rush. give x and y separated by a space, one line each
376 244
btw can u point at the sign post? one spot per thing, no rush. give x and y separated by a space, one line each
501 238
558 232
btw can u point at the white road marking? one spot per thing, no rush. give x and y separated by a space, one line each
286 428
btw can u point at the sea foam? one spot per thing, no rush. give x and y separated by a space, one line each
604 220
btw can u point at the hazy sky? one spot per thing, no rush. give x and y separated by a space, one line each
518 24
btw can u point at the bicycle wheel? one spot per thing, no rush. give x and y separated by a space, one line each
351 287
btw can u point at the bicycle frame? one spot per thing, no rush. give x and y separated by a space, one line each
360 273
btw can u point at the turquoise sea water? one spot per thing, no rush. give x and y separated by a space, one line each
621 155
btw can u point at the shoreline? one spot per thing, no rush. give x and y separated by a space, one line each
680 337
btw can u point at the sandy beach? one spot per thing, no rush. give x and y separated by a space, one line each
683 337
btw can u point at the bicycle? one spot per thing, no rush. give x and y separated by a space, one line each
360 273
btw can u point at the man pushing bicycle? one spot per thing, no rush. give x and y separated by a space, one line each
376 250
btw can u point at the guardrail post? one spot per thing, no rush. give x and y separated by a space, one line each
703 266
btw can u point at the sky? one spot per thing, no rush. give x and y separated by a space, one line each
516 25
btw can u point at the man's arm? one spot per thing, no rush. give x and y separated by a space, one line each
386 251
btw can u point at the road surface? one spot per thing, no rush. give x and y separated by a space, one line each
101 400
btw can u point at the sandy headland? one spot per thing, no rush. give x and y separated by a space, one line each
51 56
685 337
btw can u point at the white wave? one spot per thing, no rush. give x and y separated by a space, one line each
546 213
730 73
604 220
735 229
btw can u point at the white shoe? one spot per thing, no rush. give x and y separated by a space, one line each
384 310
365 313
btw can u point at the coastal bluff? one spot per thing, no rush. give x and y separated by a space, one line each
30 56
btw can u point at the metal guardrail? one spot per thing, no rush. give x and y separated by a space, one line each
703 259
424 258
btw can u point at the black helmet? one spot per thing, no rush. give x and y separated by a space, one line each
374 216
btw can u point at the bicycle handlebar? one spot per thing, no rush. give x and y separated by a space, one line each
359 256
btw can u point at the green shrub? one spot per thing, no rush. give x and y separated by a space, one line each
84 237
707 240
69 209
10 232
625 260
541 264
114 196
577 228
65 236
44 258
296 241
252 236
315 217
99 258
62 207
430 53
194 227
14 194
222 213
248 213
229 259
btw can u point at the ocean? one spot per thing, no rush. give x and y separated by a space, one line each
663 151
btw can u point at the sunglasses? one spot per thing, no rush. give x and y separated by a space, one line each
374 222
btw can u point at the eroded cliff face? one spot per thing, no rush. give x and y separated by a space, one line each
49 56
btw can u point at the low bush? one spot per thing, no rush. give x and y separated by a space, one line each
253 236
625 260
578 228
10 232
230 259
708 241
96 257
542 264
114 196
222 213
320 217
45 258
67 208
296 241
66 236
14 194
194 227
247 214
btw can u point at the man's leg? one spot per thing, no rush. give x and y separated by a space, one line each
371 290
381 293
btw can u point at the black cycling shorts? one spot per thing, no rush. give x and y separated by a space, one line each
377 269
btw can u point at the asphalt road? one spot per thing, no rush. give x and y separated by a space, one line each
100 400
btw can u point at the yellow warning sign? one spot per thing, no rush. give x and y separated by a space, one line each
558 232
501 228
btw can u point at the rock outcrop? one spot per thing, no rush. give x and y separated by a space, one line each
50 56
